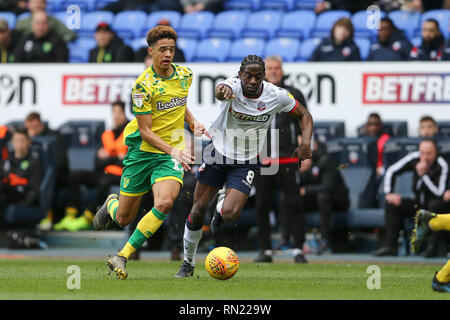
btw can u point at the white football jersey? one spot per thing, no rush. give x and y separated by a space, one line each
240 130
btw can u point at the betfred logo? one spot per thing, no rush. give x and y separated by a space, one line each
93 89
406 88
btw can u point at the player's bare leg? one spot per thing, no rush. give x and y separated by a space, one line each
233 203
203 198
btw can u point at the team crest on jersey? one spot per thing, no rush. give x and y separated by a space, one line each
261 106
183 83
138 100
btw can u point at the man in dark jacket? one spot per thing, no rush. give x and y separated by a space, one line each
42 45
291 219
392 45
432 47
20 174
9 43
430 177
110 48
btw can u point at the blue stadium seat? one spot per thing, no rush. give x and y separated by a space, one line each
364 47
328 130
442 16
54 5
83 138
242 5
306 48
136 44
228 24
416 41
262 24
212 50
241 48
61 16
79 49
443 128
129 24
408 21
196 25
359 20
10 19
286 48
444 148
22 16
284 5
84 5
90 20
154 18
305 4
188 46
297 24
396 148
326 20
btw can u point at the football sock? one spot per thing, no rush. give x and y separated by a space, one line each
440 222
144 230
191 238
444 274
112 207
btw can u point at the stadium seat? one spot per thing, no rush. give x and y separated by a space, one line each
129 24
284 5
79 49
416 41
136 44
22 16
394 128
90 20
242 5
61 16
444 148
325 22
306 48
364 47
10 19
54 6
328 130
154 18
443 128
188 46
83 138
442 16
212 50
360 20
46 148
286 48
407 21
84 5
100 4
195 25
297 24
240 48
396 148
262 24
228 24
305 4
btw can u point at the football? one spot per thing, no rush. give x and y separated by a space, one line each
222 263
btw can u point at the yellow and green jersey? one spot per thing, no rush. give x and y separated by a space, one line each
165 99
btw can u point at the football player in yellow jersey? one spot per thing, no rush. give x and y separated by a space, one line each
156 155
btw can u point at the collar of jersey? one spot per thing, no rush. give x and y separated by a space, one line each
166 78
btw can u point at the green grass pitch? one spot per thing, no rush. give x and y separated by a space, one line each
153 279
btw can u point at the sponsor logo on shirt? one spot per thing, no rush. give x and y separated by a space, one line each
175 102
248 117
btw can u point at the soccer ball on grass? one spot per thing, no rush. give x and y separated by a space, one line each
222 263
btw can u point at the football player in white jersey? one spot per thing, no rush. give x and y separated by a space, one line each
247 106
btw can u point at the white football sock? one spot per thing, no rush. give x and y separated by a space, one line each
191 240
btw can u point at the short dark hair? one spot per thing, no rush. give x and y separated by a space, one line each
433 21
389 20
21 131
33 116
252 59
120 104
160 32
374 115
427 118
432 140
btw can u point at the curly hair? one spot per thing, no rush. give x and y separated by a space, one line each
160 32
252 59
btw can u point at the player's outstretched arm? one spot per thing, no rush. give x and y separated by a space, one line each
303 151
145 129
223 92
196 127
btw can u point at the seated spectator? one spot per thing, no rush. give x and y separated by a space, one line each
324 189
15 6
110 47
339 46
430 178
42 44
428 127
143 5
190 6
392 45
142 53
349 5
9 43
20 174
374 128
108 172
5 137
432 47
391 5
55 26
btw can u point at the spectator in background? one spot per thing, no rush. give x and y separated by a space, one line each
292 220
430 179
21 173
432 47
9 43
142 53
42 44
14 6
5 137
348 5
392 45
339 46
108 171
428 128
143 5
110 47
55 26
374 128
324 189
190 6
446 55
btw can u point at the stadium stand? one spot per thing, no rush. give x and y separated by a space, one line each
129 24
297 24
328 130
262 24
406 21
442 16
284 5
228 24
79 49
393 128
360 21
10 18
90 20
240 48
212 49
443 128
244 5
188 46
364 47
325 21
154 18
195 25
306 48
286 48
